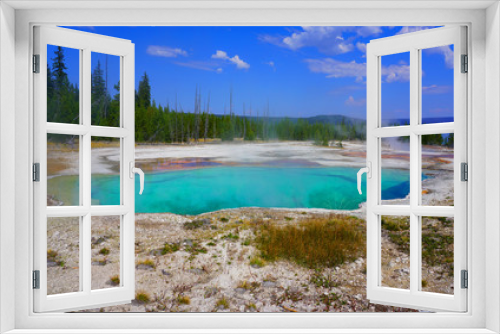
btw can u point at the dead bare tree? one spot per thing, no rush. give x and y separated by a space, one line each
244 122
207 113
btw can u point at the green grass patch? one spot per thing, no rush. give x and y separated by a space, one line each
104 251
197 223
257 262
147 262
169 248
398 230
222 302
231 236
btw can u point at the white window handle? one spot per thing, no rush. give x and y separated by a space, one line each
134 170
368 171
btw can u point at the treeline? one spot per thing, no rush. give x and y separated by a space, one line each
171 124
435 140
63 97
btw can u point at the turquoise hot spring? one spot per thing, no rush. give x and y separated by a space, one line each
195 191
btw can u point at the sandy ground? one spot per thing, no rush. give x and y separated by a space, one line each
222 271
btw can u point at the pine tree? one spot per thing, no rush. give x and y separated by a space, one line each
99 96
144 93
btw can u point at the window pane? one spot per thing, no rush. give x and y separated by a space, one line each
63 255
395 90
437 84
105 89
63 181
105 171
395 251
63 84
395 163
437 169
105 252
437 254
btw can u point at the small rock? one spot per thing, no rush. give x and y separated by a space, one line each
52 264
188 242
156 252
197 271
206 221
99 263
210 292
99 240
240 290
166 273
269 284
144 266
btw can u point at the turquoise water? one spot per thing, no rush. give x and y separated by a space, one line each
208 189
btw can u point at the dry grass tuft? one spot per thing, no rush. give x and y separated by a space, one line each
143 297
223 302
115 280
185 300
313 243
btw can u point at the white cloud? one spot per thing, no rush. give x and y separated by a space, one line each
165 51
445 51
393 73
406 30
271 64
328 40
240 64
352 102
436 90
220 55
361 46
219 70
338 69
368 31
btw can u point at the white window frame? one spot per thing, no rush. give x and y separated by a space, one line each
414 43
483 51
86 44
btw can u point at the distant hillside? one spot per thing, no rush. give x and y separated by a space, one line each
425 120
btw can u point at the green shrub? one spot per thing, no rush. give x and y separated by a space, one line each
104 251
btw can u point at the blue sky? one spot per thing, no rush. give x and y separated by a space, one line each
300 71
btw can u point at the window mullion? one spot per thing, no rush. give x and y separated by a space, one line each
86 250
414 170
